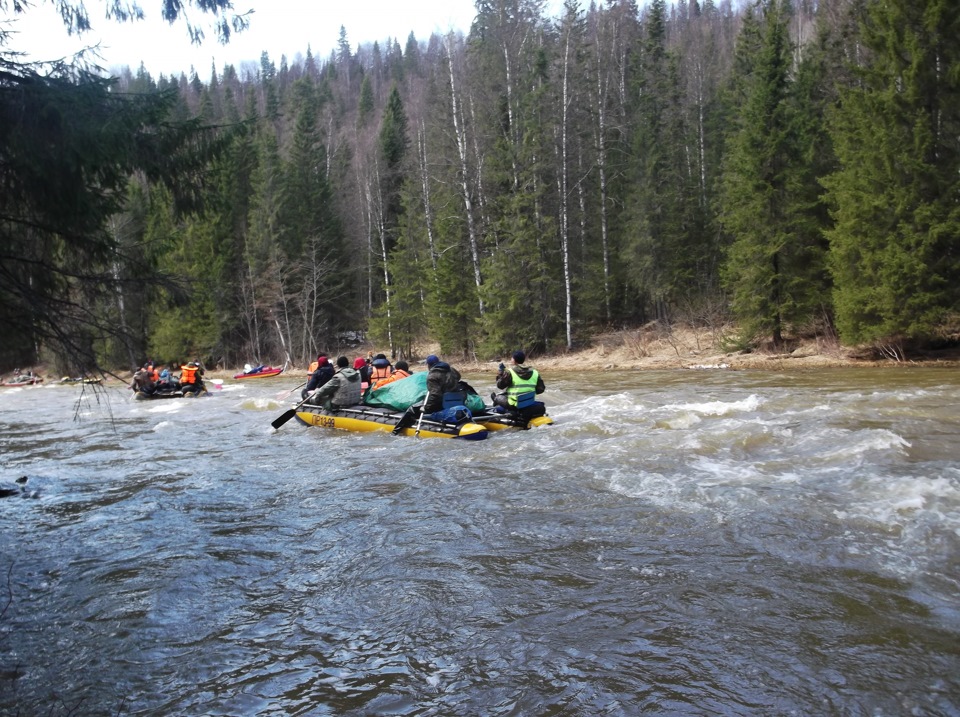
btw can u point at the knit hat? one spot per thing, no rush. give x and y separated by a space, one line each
431 360
519 356
322 361
359 362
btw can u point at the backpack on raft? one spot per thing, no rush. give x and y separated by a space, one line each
454 410
472 400
455 414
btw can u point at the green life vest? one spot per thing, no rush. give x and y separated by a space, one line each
521 393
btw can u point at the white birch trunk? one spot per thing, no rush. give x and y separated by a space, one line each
121 308
425 190
382 233
461 139
601 112
478 169
564 202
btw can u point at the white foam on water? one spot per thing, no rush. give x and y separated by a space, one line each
894 502
680 421
719 408
609 407
262 404
861 444
914 514
169 405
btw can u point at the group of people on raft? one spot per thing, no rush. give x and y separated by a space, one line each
149 380
343 385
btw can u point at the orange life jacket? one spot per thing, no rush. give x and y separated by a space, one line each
397 375
188 374
378 374
313 367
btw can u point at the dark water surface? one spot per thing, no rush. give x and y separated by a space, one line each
680 542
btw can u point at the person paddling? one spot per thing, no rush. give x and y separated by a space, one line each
443 389
343 389
320 375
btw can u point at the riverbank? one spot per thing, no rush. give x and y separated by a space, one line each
654 348
688 348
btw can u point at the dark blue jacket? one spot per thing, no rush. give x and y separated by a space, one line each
317 379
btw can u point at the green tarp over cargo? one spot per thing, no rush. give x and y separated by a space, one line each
399 395
402 394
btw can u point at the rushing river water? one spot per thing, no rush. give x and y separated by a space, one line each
678 543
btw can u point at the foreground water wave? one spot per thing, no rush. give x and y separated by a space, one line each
679 542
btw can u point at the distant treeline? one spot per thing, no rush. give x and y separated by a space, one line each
793 167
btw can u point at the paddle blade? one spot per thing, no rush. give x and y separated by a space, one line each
286 416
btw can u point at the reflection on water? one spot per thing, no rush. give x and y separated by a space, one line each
680 542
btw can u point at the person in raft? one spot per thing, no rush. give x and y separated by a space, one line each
443 391
519 386
380 370
142 381
400 370
342 390
321 374
191 378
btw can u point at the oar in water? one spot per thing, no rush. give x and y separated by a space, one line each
284 394
287 415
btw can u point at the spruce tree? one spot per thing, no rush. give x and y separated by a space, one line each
70 143
660 248
894 249
772 269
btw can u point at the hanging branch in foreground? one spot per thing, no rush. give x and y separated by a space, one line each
70 146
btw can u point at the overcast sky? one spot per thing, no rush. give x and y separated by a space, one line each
281 27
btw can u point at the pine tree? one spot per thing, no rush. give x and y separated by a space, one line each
894 249
772 270
394 142
663 197
312 230
365 105
70 143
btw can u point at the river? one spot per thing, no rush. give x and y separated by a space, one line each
680 542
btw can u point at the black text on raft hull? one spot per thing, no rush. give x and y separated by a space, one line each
367 418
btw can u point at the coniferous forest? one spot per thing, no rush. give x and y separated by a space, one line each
789 168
